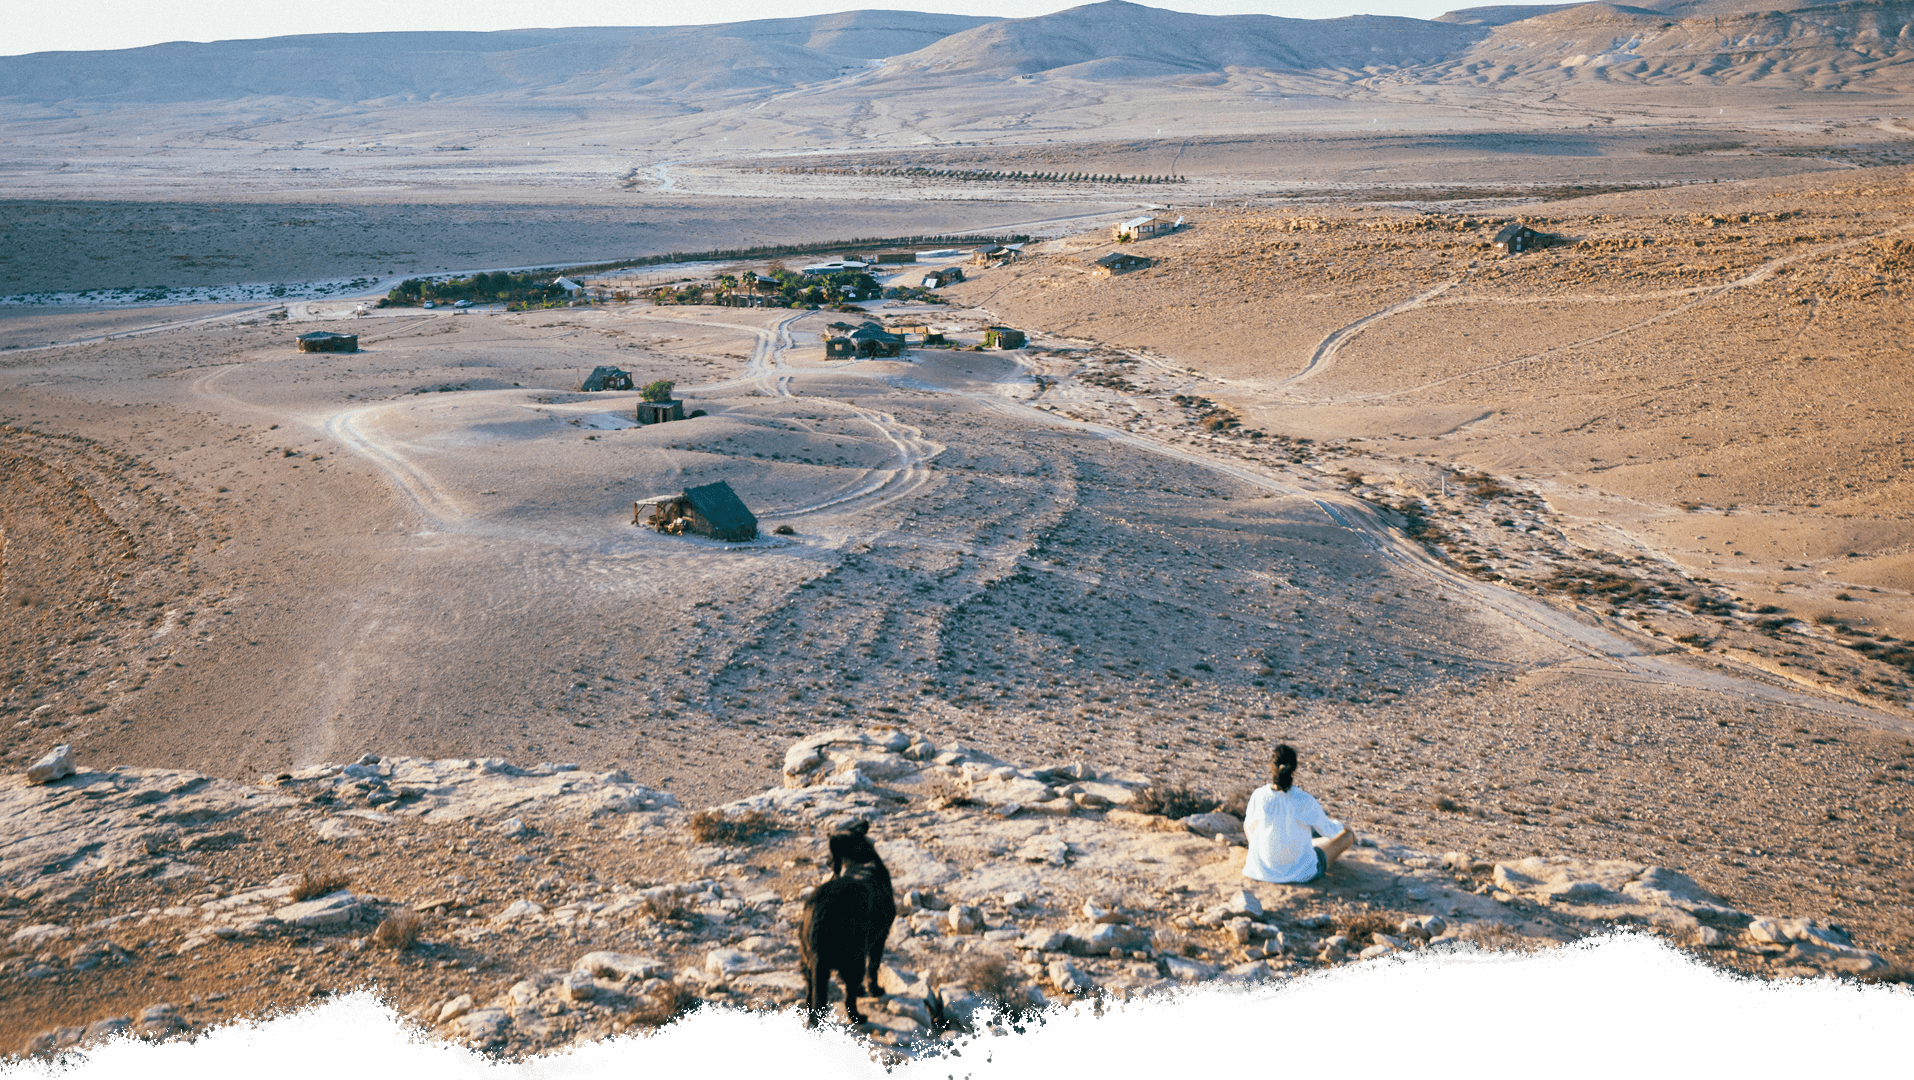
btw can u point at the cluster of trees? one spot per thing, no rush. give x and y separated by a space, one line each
780 286
921 173
533 290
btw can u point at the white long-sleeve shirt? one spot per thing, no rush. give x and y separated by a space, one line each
1278 824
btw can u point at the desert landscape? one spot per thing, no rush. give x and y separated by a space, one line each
1579 574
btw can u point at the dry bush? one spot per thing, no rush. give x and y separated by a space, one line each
947 791
1494 936
716 827
399 931
312 884
1448 805
1357 926
1173 800
668 1003
666 907
1237 801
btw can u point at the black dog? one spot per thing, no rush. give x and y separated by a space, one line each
846 922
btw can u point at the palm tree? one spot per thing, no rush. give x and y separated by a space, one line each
750 280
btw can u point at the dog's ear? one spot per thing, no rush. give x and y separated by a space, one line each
859 828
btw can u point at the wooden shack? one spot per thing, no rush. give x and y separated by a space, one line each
326 341
712 510
1515 238
660 412
1117 263
839 348
606 378
873 341
1003 337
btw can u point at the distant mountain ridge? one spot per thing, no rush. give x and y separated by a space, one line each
1689 42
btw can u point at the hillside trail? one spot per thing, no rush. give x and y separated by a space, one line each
1324 354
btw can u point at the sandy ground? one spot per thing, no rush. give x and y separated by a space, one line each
1602 550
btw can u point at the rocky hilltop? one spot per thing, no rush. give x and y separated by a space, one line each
520 908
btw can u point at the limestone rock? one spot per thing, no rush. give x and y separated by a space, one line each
1185 970
32 937
1069 978
1244 902
1239 930
578 986
518 909
876 754
1043 848
1045 940
726 963
1097 913
1214 824
962 919
482 1025
958 1006
1423 927
56 765
1575 881
107 1028
329 910
455 1008
616 965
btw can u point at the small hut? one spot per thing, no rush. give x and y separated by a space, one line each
1515 238
606 378
660 412
326 341
937 279
1003 337
712 510
839 348
1146 227
1117 263
874 341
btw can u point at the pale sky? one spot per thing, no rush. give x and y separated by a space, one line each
38 26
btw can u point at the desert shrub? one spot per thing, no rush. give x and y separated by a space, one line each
717 827
989 975
1237 801
1448 805
666 906
1494 936
657 391
311 884
1173 800
1357 926
399 931
947 791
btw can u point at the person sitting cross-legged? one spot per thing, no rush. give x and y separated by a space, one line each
1291 840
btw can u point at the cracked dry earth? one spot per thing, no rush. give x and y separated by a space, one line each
555 905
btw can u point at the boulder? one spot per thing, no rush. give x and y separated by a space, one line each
1045 940
873 754
1661 886
957 1006
455 1008
1214 824
56 765
482 1025
578 986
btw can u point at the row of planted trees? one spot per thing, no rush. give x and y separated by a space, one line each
519 289
777 287
922 173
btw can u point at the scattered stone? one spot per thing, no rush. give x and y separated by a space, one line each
578 986
1045 940
109 1028
1423 927
962 919
513 829
1186 970
483 1026
32 937
1239 930
455 1008
56 765
1069 978
1097 913
1244 902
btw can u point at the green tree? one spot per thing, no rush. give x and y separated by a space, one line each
657 391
